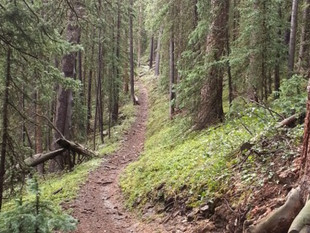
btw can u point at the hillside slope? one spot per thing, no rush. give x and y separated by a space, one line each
223 175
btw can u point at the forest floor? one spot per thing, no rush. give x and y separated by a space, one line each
100 208
99 205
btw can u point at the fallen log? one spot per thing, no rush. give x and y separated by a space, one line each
280 220
41 158
75 147
65 145
288 121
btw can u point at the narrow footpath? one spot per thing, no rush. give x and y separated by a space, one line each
99 206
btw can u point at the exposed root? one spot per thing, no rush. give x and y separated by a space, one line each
302 221
280 220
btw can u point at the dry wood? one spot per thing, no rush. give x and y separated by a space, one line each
288 121
41 158
75 147
65 145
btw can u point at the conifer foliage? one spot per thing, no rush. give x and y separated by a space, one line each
35 215
62 71
66 68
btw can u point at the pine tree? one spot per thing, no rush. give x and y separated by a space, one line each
35 216
210 108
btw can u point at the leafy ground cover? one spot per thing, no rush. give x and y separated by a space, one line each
188 169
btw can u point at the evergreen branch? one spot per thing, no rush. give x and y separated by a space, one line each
73 10
3 39
23 115
2 7
38 19
268 109
51 124
24 93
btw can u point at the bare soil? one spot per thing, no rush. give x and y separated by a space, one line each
99 206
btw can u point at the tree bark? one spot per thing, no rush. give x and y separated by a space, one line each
64 145
115 110
132 75
99 97
89 85
38 133
277 74
157 58
292 43
63 118
305 171
151 52
172 94
210 110
277 62
75 147
304 50
38 159
139 33
230 79
99 106
5 123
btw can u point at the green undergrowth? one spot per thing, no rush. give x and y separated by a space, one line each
188 166
62 188
127 117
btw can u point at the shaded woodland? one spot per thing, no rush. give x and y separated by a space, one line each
68 67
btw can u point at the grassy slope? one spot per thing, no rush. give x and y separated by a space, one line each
69 183
191 167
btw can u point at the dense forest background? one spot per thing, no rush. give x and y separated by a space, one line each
225 72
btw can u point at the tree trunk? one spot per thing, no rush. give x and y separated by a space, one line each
63 118
172 93
115 110
89 85
99 109
38 133
23 120
304 50
277 77
132 75
292 43
99 98
151 52
126 78
305 171
210 110
5 124
230 81
139 33
277 62
157 58
80 61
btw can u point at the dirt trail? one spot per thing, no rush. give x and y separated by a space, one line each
99 206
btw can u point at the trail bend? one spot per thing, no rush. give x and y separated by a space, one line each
99 205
